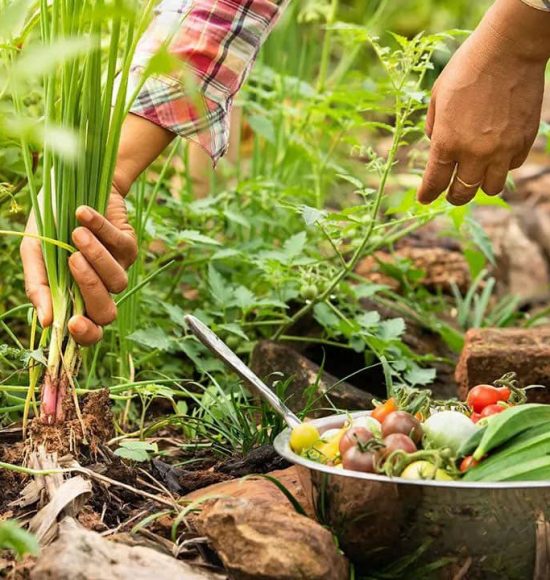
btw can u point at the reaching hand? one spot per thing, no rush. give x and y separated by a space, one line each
107 248
485 109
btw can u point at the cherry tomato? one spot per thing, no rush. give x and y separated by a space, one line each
354 436
358 460
482 396
492 410
382 411
303 437
398 442
402 422
467 463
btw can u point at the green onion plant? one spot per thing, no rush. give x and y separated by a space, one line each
91 45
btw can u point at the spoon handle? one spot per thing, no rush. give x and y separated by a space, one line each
231 360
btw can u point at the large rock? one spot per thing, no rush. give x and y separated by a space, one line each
521 267
79 554
271 357
260 490
441 267
490 353
259 541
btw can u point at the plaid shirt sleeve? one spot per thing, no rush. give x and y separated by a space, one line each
218 41
538 4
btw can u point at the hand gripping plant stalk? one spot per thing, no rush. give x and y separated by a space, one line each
92 42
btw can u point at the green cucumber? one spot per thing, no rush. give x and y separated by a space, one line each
520 450
510 423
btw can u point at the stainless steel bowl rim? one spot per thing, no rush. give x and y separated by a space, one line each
282 446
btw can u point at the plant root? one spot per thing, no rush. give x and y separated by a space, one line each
70 436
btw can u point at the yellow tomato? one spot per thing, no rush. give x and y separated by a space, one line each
425 470
303 437
329 451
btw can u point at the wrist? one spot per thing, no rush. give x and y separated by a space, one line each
520 32
141 142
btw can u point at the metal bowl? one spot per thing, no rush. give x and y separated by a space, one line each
460 529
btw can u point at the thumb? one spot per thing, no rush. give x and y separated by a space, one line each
36 278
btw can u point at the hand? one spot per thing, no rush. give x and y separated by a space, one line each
107 248
486 106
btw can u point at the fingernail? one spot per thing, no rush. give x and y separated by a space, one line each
77 325
41 315
85 213
83 236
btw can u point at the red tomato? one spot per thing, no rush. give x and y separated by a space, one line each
382 411
467 463
492 410
482 396
475 417
354 436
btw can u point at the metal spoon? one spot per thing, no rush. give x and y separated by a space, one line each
231 360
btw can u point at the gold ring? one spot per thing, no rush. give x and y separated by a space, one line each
468 185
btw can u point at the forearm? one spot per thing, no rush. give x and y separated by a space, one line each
141 142
524 30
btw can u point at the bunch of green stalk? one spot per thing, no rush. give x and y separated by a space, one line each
83 95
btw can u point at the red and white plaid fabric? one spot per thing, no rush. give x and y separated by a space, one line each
218 40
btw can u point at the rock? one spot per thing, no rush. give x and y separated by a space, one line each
259 541
521 267
270 357
536 223
442 267
81 554
261 490
489 353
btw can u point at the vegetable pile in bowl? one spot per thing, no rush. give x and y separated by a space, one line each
494 436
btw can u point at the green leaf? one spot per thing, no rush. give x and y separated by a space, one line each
12 19
220 290
481 239
236 217
294 246
154 338
235 329
325 316
368 319
36 355
14 538
38 60
263 127
136 450
244 298
194 236
366 290
312 215
176 314
391 329
419 376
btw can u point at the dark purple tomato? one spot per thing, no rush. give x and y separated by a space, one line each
358 460
404 423
398 442
354 436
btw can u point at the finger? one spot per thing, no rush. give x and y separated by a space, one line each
100 307
36 278
84 331
495 178
112 274
120 242
466 182
519 160
437 175
430 118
